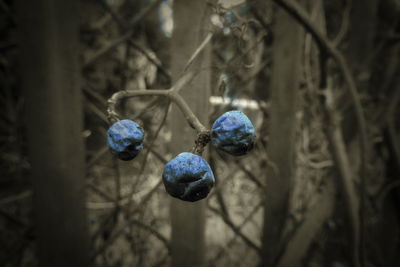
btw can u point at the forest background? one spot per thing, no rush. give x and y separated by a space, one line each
320 80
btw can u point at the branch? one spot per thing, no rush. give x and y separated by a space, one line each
315 217
126 37
13 198
342 161
118 96
171 93
249 174
120 231
198 50
344 26
145 160
339 150
233 239
236 229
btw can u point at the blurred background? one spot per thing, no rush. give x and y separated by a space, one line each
320 80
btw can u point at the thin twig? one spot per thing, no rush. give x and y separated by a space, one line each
100 192
242 224
95 95
96 111
236 229
101 152
114 15
145 160
14 198
249 174
198 50
125 37
151 57
123 202
344 26
120 231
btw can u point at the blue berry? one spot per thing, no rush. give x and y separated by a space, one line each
188 177
233 133
125 139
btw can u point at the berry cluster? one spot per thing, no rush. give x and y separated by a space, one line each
187 176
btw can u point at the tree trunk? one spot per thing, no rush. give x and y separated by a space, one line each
284 87
50 80
321 208
187 219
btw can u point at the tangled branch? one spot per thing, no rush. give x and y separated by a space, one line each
328 47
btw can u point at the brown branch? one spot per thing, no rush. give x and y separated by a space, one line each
133 212
187 112
171 93
14 198
144 12
151 230
145 160
126 36
342 161
198 50
120 231
101 152
236 229
344 26
295 10
232 241
315 217
100 192
249 174
153 59
96 111
118 96
95 95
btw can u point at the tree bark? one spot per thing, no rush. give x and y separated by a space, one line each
50 81
187 219
287 49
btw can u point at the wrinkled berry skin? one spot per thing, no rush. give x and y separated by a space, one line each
188 177
125 139
233 133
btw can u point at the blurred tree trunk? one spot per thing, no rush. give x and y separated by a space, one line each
322 206
360 54
285 78
50 79
187 219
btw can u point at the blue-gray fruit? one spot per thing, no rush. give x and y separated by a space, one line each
125 139
233 133
188 177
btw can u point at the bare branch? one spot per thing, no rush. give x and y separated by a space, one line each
344 26
294 9
249 174
97 156
198 50
125 37
171 93
236 229
118 96
232 241
20 196
187 112
315 217
120 231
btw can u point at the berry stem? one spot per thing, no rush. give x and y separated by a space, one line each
171 93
